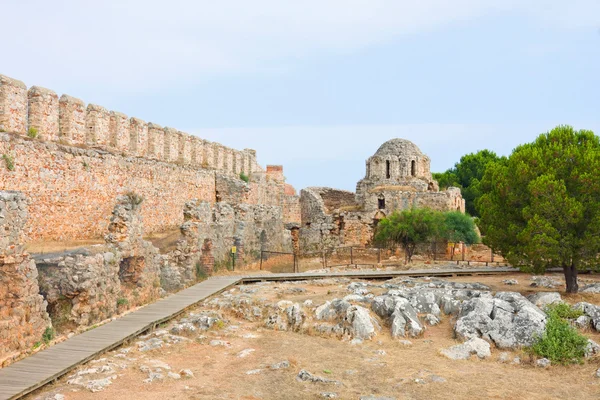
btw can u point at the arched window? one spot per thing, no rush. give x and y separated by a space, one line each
387 170
413 168
381 203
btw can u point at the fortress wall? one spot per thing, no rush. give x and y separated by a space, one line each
72 190
13 105
43 112
67 120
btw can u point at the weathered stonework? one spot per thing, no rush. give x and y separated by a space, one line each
81 288
185 148
171 145
23 316
138 131
156 141
119 132
72 120
97 125
13 105
398 177
72 190
43 112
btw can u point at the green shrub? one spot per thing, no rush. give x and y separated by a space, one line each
564 311
48 335
122 301
32 132
9 161
244 177
560 343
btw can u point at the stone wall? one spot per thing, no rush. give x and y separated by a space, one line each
72 190
23 316
68 120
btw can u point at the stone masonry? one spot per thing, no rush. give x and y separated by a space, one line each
23 316
398 177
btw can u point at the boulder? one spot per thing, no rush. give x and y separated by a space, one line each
361 324
509 320
543 299
464 351
592 311
593 288
592 349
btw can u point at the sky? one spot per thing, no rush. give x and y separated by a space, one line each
318 85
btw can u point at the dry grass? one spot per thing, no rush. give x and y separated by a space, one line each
220 374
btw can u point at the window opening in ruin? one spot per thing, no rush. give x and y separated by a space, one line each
387 169
381 204
413 168
340 223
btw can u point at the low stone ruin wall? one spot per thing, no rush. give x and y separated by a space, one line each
23 316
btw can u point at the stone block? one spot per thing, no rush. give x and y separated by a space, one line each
138 131
238 162
197 151
43 112
119 132
97 126
172 139
209 155
13 105
156 141
72 115
185 148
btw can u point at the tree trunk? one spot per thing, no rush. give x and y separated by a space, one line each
571 278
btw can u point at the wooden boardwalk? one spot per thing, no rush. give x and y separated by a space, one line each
33 372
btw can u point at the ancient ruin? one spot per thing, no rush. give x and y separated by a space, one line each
398 177
73 173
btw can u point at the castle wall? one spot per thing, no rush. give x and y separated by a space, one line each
43 112
72 190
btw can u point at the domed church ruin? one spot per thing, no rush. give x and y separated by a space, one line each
398 177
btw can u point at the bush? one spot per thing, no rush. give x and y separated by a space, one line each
564 311
244 177
48 335
560 343
32 132
122 302
9 161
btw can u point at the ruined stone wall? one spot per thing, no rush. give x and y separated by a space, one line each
23 316
72 190
40 112
211 230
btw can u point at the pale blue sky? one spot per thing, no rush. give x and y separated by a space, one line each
318 85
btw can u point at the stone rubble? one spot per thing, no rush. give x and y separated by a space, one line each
463 351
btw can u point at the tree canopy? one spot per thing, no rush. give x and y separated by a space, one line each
466 175
540 207
409 228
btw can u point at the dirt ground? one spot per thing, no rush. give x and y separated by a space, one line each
381 367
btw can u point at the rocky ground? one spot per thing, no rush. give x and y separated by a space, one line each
347 339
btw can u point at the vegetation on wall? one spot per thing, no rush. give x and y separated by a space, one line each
540 207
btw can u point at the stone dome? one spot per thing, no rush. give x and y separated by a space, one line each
398 148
